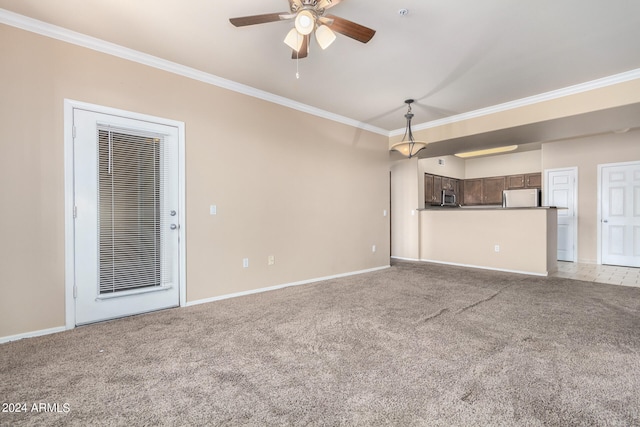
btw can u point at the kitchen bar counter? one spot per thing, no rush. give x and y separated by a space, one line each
522 240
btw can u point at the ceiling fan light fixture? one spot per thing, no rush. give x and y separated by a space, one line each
408 146
294 40
325 36
305 22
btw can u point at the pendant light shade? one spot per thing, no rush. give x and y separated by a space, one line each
408 146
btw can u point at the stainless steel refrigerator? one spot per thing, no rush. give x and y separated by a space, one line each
526 198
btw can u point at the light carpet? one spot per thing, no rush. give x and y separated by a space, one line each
417 344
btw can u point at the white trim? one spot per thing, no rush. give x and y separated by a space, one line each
405 258
32 334
545 187
286 285
197 302
78 39
481 267
530 100
69 106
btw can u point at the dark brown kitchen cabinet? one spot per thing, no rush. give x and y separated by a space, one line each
515 181
533 180
529 180
437 189
473 192
433 186
484 191
492 190
428 189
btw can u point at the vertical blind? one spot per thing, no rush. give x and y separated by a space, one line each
132 210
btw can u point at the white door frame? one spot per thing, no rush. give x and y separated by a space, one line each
69 249
599 202
574 170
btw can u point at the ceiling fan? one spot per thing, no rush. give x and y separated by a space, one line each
309 17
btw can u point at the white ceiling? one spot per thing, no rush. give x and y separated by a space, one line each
452 56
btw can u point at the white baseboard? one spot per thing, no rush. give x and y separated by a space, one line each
405 259
530 273
32 334
203 301
285 285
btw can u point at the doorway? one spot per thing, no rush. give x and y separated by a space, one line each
561 191
619 214
126 242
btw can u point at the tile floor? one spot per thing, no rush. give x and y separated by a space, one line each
625 276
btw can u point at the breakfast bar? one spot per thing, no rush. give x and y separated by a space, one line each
522 240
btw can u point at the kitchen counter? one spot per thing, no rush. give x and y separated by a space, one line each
522 240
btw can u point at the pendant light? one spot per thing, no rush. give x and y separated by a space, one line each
408 146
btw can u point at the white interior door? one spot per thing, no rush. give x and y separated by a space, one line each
620 214
126 198
560 190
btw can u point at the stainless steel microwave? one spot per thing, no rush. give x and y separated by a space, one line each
448 198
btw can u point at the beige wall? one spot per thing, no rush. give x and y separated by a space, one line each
505 164
586 154
468 237
615 95
307 190
453 166
405 197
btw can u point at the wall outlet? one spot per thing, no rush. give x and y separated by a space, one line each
271 259
245 262
496 248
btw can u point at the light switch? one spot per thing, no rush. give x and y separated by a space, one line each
213 210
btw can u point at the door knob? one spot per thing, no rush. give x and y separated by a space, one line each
605 220
173 226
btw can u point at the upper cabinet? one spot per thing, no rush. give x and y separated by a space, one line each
529 180
488 191
492 189
477 191
433 186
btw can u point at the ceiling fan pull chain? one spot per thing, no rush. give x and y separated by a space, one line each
297 66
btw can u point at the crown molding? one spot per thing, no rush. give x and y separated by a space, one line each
523 102
83 40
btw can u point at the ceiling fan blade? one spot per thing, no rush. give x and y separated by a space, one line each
326 4
259 19
304 49
351 29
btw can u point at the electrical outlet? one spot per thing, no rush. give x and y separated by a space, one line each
496 248
271 260
245 262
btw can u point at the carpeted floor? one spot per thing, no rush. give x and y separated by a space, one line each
413 345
